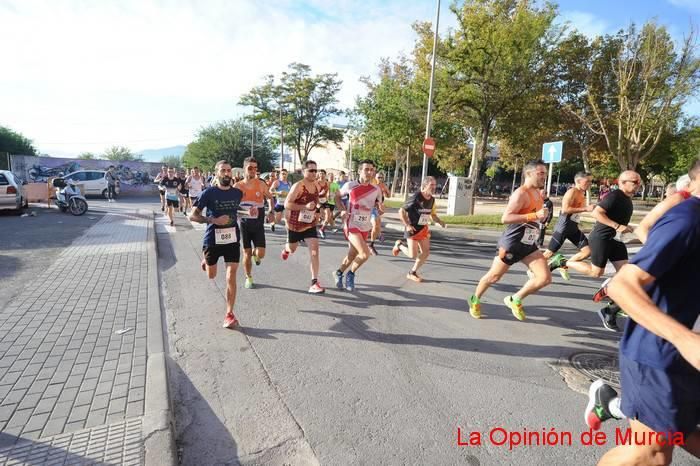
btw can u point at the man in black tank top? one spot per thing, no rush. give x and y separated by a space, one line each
519 243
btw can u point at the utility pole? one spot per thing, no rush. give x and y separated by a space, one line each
252 135
281 141
429 118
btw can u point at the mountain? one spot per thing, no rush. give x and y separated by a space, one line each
155 155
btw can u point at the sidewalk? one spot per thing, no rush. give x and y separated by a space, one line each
81 353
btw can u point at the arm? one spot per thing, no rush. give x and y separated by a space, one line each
642 231
627 290
567 208
403 214
196 216
600 215
436 219
519 201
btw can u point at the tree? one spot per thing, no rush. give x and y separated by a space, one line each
638 85
15 143
120 154
496 61
301 104
174 161
228 140
87 156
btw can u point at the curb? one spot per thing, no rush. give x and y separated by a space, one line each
158 432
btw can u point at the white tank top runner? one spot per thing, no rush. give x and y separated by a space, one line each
196 187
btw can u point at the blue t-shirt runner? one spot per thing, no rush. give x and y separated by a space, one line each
215 202
662 389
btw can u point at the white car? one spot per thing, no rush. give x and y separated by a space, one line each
93 181
12 193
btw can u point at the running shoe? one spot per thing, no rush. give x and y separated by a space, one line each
609 319
474 307
335 230
396 249
230 321
600 395
373 250
322 233
350 281
556 261
204 265
602 293
516 307
162 209
256 259
564 272
249 283
316 288
285 254
412 275
184 213
338 278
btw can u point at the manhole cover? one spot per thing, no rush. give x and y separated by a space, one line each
598 366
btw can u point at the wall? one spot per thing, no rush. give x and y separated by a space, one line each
135 177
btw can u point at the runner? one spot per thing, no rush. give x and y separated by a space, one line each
171 184
682 192
323 193
255 192
270 218
376 217
111 178
221 238
302 202
196 183
612 215
567 228
161 190
415 215
362 196
342 179
660 349
519 243
327 216
184 192
280 189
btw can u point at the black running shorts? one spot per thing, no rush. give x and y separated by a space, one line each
516 252
604 250
253 235
172 203
230 253
296 236
571 233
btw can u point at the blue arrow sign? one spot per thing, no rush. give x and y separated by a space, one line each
551 151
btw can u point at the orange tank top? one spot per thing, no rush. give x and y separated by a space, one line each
536 202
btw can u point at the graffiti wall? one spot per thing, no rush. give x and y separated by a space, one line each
135 177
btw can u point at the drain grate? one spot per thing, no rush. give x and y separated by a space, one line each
598 366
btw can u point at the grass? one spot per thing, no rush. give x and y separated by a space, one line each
393 204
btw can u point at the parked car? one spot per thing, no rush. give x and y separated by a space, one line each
93 181
12 192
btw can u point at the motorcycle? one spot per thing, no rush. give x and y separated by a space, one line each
68 197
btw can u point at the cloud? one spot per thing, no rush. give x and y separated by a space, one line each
692 5
586 23
119 68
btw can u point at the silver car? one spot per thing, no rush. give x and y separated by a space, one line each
12 193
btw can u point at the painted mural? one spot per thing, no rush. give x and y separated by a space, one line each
134 177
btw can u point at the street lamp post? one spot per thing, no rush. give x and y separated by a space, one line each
281 141
429 118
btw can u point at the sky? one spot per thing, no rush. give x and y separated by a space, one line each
83 75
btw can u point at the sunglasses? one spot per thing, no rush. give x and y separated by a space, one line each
311 170
631 181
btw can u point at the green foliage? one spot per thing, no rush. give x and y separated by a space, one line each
174 161
87 156
301 105
228 140
120 154
15 143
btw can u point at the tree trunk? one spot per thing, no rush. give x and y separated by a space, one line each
407 173
586 168
480 146
396 172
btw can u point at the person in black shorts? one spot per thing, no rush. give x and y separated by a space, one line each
161 190
171 185
222 236
184 192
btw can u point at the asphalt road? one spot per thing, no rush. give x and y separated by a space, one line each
385 375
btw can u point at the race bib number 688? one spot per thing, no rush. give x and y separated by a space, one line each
225 235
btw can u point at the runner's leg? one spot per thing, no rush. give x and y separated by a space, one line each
498 268
360 245
231 269
541 275
312 243
641 455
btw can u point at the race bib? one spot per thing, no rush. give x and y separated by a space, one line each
307 216
530 236
424 219
225 235
282 194
361 220
575 218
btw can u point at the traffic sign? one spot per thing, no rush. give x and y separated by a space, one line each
429 147
551 151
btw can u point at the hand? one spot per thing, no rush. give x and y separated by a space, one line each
253 211
589 208
442 224
221 220
344 214
310 206
411 229
624 229
542 213
689 347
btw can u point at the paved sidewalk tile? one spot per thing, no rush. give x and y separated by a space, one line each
73 347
